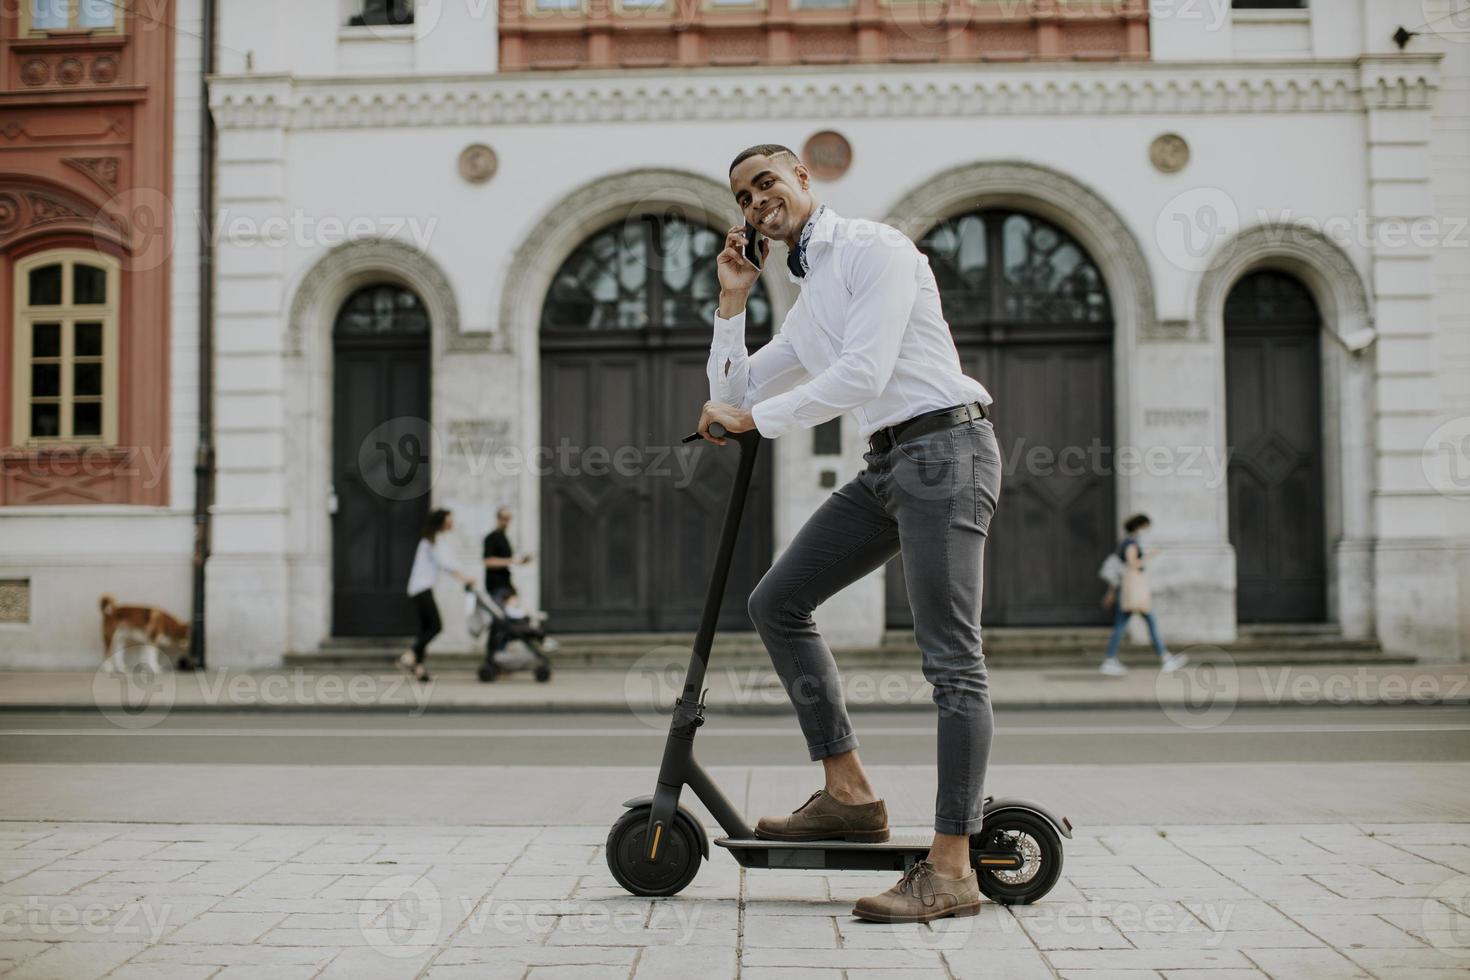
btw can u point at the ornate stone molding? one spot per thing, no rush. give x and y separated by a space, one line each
354 264
1056 197
1399 81
882 91
1176 330
102 170
30 207
1301 250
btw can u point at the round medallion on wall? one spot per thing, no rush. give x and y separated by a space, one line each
477 163
104 69
1169 153
69 72
827 155
35 72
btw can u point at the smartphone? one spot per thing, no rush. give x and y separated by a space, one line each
752 245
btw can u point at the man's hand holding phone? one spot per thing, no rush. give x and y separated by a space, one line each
736 271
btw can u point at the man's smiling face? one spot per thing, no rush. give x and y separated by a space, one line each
772 194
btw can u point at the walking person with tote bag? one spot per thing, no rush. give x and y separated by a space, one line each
1133 595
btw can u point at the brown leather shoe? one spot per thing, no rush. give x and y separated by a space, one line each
922 895
823 818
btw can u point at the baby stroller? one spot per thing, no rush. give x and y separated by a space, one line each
526 643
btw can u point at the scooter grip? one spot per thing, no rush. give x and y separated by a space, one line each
715 429
746 439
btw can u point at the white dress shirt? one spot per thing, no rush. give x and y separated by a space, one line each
866 336
428 561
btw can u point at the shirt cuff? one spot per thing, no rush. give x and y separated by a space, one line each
731 332
773 417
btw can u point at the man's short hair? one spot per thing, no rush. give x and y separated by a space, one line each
763 150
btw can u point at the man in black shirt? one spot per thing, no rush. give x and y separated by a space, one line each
499 559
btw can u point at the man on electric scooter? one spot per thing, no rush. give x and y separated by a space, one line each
866 337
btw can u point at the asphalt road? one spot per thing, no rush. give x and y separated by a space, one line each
1256 766
1102 737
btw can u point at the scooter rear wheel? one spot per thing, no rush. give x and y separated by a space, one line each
680 851
1040 847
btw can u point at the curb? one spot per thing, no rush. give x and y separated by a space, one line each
621 707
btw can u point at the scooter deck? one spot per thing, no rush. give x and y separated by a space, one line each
898 853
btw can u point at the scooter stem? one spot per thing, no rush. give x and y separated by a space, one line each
749 443
679 767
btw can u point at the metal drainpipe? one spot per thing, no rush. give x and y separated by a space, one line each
204 456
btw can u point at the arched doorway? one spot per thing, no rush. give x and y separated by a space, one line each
1031 319
1273 424
629 516
380 467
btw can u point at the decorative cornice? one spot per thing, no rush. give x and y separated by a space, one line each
888 91
1398 81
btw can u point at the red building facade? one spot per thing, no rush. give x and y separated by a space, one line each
86 143
562 34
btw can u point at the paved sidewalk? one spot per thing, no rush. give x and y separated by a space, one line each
166 901
1199 691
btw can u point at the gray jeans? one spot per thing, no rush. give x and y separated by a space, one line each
930 498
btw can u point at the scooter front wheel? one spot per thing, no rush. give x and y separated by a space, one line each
1035 841
679 853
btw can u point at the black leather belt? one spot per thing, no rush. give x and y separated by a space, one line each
921 425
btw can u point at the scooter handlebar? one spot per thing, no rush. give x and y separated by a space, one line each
719 432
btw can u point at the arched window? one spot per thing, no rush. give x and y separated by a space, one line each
654 272
66 343
997 268
1270 298
383 310
1030 316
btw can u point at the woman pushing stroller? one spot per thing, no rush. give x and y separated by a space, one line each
429 561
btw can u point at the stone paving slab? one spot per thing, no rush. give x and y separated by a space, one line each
225 902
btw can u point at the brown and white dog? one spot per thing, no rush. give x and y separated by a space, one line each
126 627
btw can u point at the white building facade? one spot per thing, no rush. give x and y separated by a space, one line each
368 274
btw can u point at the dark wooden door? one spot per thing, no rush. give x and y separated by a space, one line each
1031 321
381 472
1274 432
630 515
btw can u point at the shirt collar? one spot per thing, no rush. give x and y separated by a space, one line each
820 227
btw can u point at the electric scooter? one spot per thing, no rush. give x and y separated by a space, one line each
656 847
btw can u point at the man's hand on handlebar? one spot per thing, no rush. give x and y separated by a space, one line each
732 418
